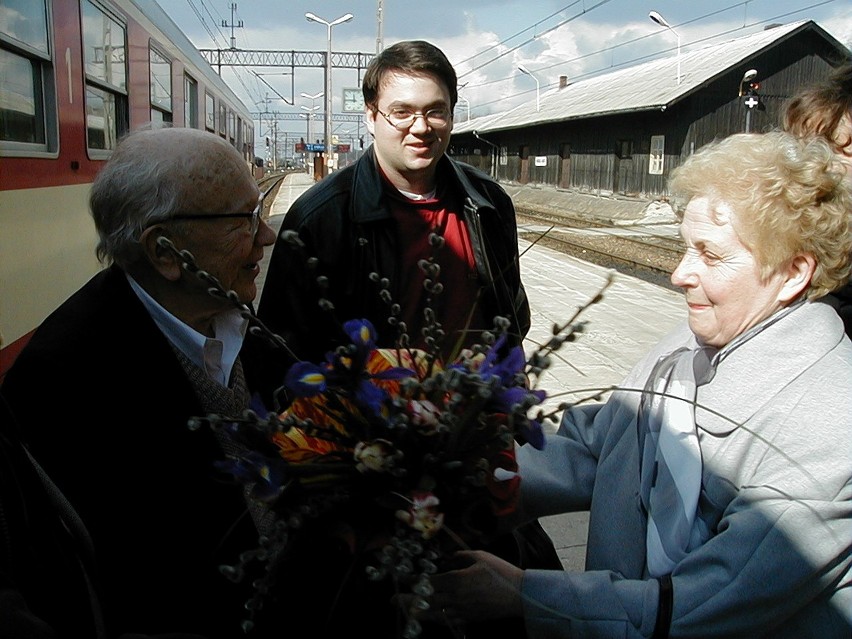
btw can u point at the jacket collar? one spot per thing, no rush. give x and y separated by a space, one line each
367 182
791 346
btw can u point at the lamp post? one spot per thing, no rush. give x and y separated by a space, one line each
310 111
305 155
660 20
314 18
751 100
467 108
523 69
314 107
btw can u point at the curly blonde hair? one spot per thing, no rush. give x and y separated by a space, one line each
788 196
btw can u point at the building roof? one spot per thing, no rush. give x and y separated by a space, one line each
649 86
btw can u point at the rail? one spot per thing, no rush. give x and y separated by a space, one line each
635 250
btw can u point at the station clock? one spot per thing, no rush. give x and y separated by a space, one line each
353 101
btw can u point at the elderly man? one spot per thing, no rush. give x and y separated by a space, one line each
108 382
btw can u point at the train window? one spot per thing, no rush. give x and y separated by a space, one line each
105 58
190 102
26 22
209 112
101 117
104 48
161 86
232 125
27 92
223 119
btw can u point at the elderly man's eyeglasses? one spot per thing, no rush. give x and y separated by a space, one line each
404 118
254 216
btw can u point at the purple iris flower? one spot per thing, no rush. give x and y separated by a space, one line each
264 474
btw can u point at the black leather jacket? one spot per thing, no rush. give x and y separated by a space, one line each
345 223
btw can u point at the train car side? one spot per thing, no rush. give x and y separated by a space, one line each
81 73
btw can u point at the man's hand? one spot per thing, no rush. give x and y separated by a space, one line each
483 587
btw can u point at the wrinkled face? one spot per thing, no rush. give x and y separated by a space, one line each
409 156
226 247
720 276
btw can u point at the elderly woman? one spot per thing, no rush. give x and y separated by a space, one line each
719 476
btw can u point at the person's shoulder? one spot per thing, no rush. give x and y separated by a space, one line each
475 174
101 311
86 304
327 194
489 190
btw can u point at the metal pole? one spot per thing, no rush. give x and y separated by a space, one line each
327 154
328 25
380 18
660 20
526 71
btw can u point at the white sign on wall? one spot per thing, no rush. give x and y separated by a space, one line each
541 160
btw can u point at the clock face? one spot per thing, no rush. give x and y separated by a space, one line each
353 101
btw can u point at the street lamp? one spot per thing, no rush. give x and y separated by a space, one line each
523 69
314 107
467 108
312 98
751 100
314 18
660 20
310 111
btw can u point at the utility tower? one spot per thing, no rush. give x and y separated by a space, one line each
232 25
380 18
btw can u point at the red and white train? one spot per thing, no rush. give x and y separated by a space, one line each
76 76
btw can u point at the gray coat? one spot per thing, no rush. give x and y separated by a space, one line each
776 437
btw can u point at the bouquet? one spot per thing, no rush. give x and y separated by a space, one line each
425 446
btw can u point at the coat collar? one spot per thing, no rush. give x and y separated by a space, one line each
367 182
759 369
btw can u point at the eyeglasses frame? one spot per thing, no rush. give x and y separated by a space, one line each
414 116
255 216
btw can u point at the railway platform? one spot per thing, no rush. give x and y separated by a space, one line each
620 329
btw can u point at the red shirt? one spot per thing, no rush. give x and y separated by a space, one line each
456 306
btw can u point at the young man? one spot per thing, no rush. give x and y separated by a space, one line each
377 217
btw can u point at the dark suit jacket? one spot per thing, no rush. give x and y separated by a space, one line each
104 404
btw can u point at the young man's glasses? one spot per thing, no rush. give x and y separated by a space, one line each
404 118
254 216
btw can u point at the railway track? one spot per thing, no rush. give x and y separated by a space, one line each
268 185
642 252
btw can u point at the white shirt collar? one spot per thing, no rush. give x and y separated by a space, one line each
214 355
416 197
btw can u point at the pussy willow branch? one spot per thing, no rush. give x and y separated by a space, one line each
216 289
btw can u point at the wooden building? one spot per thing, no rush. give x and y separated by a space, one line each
621 133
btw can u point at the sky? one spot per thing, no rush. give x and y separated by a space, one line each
485 40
